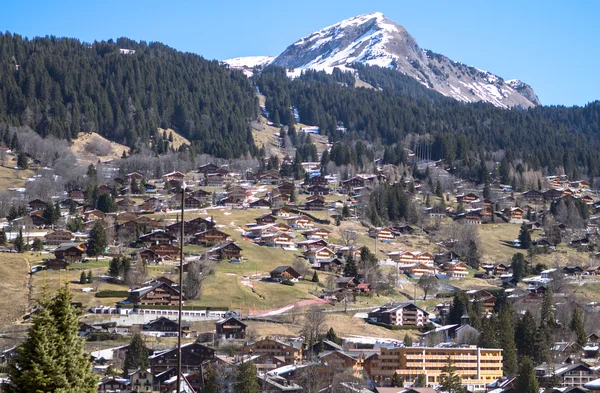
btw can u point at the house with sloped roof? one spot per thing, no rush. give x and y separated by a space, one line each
285 272
157 294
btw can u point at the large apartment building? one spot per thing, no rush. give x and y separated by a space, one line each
404 313
476 366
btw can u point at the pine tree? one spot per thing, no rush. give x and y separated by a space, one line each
136 356
460 305
19 242
506 339
526 381
420 381
90 279
106 203
518 266
22 161
547 313
525 336
577 326
524 237
2 237
82 278
408 341
450 382
331 336
52 358
350 269
37 245
96 240
397 381
315 277
246 380
489 334
211 385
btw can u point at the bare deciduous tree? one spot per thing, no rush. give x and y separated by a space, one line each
349 237
314 325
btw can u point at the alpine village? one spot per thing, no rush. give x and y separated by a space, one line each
174 224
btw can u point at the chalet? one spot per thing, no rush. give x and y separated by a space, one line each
354 182
260 203
157 237
300 221
149 188
165 250
516 214
403 313
56 264
316 233
385 234
277 384
164 327
406 257
437 211
417 269
317 181
126 216
285 272
350 250
93 215
403 230
208 168
158 294
58 237
455 269
572 270
269 177
318 190
76 194
265 219
314 255
202 196
134 176
533 196
553 193
192 203
141 381
37 219
192 357
37 204
486 299
312 244
363 287
70 251
471 217
334 265
178 176
262 230
173 185
231 328
210 237
147 256
125 204
445 257
113 384
69 204
228 250
315 204
346 282
277 240
286 189
104 189
467 198
291 352
282 212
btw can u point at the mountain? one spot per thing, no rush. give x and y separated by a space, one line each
373 39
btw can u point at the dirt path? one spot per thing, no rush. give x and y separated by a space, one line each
283 310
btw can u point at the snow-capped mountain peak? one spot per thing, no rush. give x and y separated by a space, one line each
373 39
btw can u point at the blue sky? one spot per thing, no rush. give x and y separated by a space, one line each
552 45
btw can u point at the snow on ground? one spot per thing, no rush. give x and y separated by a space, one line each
249 61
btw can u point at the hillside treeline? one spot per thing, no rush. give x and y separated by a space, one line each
61 86
543 137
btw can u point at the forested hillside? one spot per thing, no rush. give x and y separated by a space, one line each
61 86
545 137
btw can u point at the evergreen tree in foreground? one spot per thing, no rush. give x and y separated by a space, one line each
577 327
524 237
526 382
96 240
450 382
136 356
211 385
246 380
52 357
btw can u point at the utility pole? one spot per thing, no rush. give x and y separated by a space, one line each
183 187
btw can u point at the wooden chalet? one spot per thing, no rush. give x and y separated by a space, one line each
193 355
72 252
533 196
158 294
265 219
93 215
317 181
76 194
350 250
313 255
178 176
268 177
280 239
282 212
403 313
165 327
37 204
318 190
231 328
285 272
417 269
486 299
202 195
455 269
58 237
334 265
467 198
113 384
291 352
286 189
311 244
208 168
300 221
553 193
210 237
354 182
157 237
228 250
260 203
165 250
381 233
315 205
316 233
346 282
